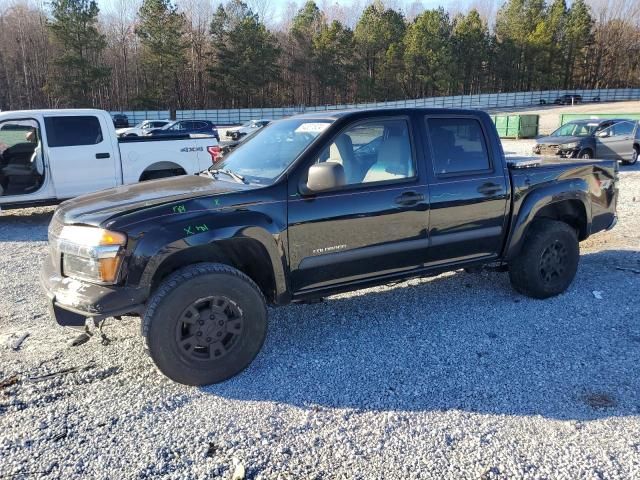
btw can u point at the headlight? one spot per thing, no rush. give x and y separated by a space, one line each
569 146
91 253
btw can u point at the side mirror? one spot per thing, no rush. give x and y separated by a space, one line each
603 134
324 176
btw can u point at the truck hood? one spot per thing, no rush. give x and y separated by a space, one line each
559 140
96 208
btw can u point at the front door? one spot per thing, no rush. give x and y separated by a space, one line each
375 224
81 154
23 176
469 191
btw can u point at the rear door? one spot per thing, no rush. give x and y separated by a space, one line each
469 190
81 154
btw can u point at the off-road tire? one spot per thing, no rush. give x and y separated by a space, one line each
548 261
164 320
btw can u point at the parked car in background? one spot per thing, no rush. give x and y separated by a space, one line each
568 99
47 156
142 128
612 139
226 147
235 133
182 127
303 211
120 120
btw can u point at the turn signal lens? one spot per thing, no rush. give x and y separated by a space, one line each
109 268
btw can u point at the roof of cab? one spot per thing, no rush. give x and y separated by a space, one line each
55 111
336 114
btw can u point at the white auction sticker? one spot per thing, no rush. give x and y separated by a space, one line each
312 127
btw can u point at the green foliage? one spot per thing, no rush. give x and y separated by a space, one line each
428 53
379 38
78 71
245 55
471 47
161 32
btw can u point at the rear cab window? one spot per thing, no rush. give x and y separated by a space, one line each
458 146
70 131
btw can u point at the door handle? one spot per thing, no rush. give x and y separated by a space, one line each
489 188
409 198
103 155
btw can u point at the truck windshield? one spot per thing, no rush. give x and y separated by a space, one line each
575 130
266 155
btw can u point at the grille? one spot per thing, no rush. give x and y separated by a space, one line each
548 149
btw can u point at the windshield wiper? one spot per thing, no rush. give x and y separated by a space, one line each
216 171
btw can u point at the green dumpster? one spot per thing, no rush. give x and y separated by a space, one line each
516 126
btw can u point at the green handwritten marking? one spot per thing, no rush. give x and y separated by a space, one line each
202 228
216 202
188 230
179 209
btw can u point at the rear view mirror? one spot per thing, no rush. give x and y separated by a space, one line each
325 176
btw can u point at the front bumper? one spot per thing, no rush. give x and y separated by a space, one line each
72 301
557 152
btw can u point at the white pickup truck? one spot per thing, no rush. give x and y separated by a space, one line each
47 156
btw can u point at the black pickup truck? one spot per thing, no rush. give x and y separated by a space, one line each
311 206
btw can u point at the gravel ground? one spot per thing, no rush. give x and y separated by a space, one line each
455 377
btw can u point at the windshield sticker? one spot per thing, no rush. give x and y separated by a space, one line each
312 128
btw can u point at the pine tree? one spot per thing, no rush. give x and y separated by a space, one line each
78 71
161 32
428 55
379 41
245 55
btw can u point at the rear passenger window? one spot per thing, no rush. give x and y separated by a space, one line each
458 146
73 131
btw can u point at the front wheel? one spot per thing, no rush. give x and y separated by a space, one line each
634 156
205 324
548 261
585 154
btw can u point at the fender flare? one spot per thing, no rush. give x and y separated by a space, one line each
258 237
562 191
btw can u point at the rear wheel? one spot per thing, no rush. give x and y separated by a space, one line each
548 261
634 156
205 324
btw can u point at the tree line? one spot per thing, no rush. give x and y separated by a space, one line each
159 55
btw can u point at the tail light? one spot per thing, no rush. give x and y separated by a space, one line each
215 152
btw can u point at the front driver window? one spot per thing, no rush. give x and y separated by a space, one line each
373 152
21 163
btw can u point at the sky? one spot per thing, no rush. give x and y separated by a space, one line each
276 12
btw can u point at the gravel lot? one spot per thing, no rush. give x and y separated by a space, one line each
455 377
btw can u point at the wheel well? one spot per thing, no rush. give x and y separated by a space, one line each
246 255
165 167
589 149
571 212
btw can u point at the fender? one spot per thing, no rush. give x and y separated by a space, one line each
213 235
540 197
